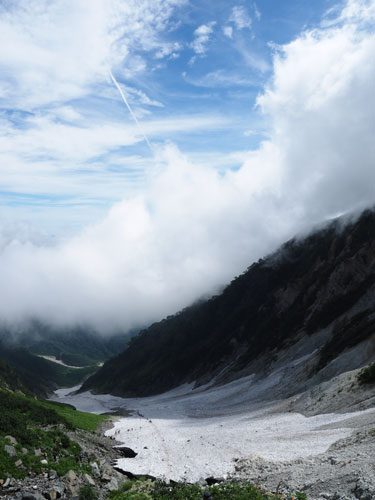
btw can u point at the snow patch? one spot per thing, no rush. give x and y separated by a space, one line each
187 434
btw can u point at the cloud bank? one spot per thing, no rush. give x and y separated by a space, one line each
194 228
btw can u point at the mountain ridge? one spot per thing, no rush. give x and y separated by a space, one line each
306 287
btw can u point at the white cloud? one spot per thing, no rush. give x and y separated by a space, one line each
202 37
55 158
55 51
361 12
228 31
252 59
220 78
194 228
257 13
240 17
169 50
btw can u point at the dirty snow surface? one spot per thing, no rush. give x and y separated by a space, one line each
188 434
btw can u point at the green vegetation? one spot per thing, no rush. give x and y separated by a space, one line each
78 346
146 490
367 375
39 428
78 419
20 417
262 310
87 493
40 375
10 380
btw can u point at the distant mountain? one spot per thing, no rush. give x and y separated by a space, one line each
313 297
39 375
77 346
10 381
23 352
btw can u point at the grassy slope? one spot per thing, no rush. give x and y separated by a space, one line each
40 425
78 419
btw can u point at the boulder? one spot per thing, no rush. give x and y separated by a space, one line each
10 450
52 493
11 439
25 451
88 479
214 480
59 488
18 463
106 469
72 483
52 474
95 469
37 452
126 452
112 485
44 461
32 496
7 482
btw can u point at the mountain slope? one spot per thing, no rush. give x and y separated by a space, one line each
23 349
322 287
77 346
40 375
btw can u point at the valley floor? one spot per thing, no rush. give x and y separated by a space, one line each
189 434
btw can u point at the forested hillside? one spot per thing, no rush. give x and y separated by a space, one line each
306 286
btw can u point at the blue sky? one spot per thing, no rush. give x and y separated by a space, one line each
260 119
202 63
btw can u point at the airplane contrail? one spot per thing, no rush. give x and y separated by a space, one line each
131 111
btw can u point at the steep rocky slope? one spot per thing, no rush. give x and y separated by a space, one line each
307 310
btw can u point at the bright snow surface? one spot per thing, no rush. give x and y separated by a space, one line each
188 434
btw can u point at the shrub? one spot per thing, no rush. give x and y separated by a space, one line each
301 496
145 490
367 375
87 493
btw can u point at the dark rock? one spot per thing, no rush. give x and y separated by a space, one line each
32 496
130 475
126 452
213 480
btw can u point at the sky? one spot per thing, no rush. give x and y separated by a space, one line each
151 150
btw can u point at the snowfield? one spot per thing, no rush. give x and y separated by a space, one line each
188 434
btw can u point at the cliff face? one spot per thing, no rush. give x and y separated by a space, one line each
314 297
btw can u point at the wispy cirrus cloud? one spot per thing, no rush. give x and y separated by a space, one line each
222 78
51 52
